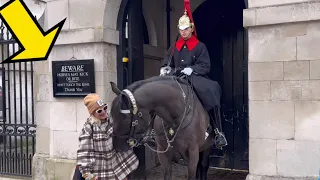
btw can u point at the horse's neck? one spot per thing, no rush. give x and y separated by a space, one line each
164 98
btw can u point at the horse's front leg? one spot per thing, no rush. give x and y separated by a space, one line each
193 163
166 163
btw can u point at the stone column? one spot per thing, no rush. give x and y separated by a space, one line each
284 83
59 120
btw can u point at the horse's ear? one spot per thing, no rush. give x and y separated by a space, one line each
115 88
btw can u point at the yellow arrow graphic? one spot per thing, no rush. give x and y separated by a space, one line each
35 44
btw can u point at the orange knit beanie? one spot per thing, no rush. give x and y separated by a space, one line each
93 102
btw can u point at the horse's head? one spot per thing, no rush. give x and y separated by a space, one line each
130 119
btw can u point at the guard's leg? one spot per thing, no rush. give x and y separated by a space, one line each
215 121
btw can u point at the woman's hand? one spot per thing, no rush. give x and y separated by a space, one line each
90 176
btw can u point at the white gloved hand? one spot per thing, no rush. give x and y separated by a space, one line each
187 71
164 70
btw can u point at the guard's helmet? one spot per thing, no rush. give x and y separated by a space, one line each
186 20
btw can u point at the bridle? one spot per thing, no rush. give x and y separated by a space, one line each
134 138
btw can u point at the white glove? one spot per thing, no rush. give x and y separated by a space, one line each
164 70
187 71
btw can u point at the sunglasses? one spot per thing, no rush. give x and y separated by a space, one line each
103 109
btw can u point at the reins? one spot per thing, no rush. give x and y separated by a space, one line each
183 117
143 138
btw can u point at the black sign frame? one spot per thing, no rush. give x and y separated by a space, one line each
88 65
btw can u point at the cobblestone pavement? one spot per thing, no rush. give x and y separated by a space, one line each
180 173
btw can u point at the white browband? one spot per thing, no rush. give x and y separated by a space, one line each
133 101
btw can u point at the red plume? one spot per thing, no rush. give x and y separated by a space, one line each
189 13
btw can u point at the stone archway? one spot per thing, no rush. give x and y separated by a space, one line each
111 12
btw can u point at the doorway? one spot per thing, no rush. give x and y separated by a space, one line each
219 26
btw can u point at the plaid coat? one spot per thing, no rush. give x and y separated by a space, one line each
97 156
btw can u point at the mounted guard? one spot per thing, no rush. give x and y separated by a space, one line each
190 57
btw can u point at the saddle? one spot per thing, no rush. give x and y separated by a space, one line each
214 113
184 79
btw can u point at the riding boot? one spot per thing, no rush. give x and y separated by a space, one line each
215 122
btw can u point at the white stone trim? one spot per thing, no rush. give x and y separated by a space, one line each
264 3
289 13
88 35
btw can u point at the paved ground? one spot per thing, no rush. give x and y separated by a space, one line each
3 177
180 173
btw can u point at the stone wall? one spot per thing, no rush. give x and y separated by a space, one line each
284 83
60 120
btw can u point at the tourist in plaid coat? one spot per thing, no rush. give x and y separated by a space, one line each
96 157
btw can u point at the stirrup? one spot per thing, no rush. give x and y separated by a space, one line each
220 138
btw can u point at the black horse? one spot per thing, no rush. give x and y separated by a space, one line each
179 126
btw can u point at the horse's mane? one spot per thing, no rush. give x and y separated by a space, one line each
117 102
136 85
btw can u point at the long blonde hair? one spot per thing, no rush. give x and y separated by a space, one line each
93 119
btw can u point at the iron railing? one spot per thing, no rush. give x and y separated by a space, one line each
17 125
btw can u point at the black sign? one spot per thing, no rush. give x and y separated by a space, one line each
73 78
